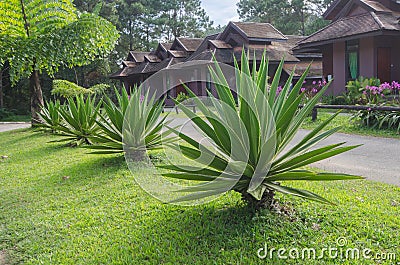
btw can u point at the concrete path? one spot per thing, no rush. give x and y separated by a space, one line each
378 159
9 126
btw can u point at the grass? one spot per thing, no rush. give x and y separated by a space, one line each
348 125
61 205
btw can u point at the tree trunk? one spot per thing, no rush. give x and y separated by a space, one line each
136 155
36 97
266 201
1 90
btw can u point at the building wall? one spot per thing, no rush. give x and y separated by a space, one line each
339 72
367 57
396 59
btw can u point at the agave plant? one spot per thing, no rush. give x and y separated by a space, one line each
50 118
250 150
108 139
134 126
79 120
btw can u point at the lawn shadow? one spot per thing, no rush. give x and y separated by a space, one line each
208 229
98 171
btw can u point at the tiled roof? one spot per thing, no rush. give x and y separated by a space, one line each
166 45
118 74
300 68
203 46
153 68
220 44
178 54
221 55
337 6
352 26
274 53
138 56
152 58
190 44
255 30
129 63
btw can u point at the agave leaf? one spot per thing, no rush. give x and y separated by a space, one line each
310 176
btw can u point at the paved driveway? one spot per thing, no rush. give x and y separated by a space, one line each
9 126
378 159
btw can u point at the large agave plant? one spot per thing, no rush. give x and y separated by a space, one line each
250 150
79 120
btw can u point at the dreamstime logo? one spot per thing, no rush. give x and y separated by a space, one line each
166 84
340 251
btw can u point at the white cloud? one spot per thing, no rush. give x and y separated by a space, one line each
221 11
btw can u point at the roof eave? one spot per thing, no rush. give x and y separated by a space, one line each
269 39
352 37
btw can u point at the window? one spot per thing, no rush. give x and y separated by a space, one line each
208 83
352 60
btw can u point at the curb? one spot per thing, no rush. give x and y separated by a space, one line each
13 122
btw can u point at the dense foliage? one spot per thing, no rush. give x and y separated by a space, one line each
42 36
143 23
356 90
370 92
290 17
251 144
66 89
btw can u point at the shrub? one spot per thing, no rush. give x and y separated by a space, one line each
380 95
313 90
356 88
379 119
254 153
4 114
66 89
335 100
183 98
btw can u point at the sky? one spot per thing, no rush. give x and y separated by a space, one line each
221 11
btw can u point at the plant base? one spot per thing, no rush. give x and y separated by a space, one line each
267 201
137 156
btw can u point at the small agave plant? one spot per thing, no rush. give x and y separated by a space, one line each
79 118
134 124
50 117
108 139
143 126
252 149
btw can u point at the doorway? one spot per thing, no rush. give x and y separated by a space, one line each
384 64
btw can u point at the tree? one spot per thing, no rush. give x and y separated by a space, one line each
183 18
39 36
290 17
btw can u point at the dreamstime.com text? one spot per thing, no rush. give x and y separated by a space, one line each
340 251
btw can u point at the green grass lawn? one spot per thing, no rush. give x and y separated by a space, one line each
348 125
60 205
